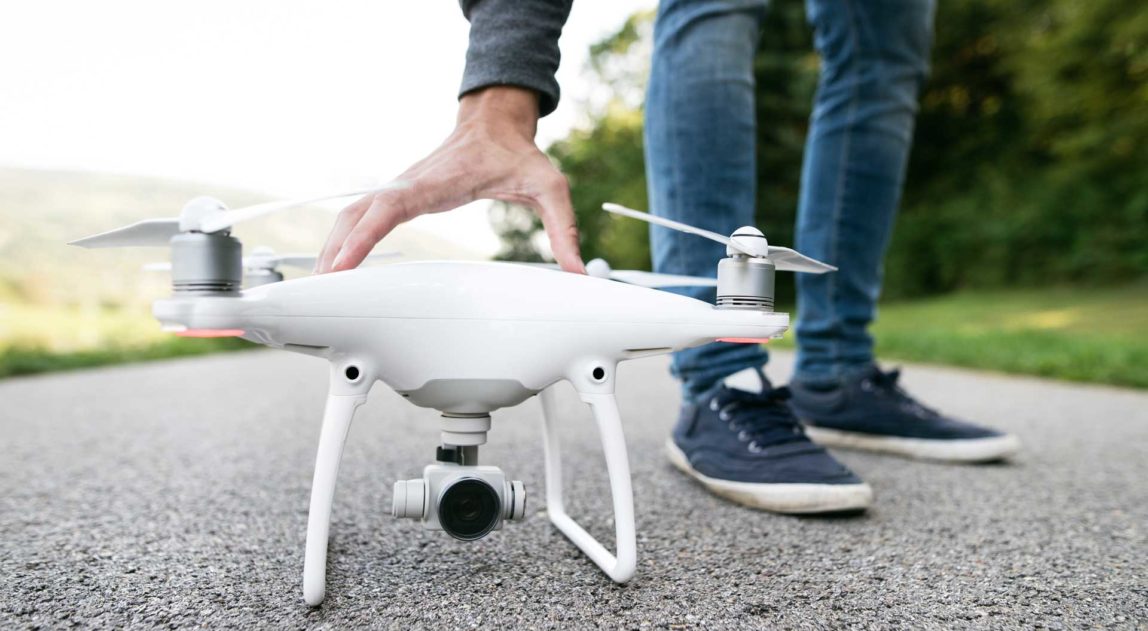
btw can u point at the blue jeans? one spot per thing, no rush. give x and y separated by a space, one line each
700 160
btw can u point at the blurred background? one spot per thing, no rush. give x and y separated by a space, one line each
1022 244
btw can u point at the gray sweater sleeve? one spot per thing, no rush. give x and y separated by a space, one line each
515 42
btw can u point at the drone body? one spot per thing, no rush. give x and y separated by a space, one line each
462 337
465 339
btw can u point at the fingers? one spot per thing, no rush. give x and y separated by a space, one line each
557 213
381 217
351 243
470 165
346 221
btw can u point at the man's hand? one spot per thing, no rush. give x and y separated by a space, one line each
490 155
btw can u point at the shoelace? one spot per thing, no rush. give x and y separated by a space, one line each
760 420
886 384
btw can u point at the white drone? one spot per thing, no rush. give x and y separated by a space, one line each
465 339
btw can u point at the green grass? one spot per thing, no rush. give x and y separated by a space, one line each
40 338
22 360
1077 334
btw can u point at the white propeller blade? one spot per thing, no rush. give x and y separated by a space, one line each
149 232
296 260
307 261
221 221
789 260
653 279
158 232
784 259
599 268
617 209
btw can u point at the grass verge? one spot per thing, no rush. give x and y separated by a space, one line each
1077 334
25 360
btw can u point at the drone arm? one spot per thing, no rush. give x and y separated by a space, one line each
340 408
620 566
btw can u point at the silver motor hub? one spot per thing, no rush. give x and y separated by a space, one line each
206 263
745 282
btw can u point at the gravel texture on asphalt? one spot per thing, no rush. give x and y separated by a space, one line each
174 494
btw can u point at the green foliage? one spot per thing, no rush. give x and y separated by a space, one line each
595 177
1029 149
603 162
1030 157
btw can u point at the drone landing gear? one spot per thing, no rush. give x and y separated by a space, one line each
349 389
336 423
619 567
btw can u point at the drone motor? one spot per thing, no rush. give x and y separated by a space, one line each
745 277
745 282
206 263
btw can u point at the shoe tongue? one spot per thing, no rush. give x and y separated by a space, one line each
874 372
748 380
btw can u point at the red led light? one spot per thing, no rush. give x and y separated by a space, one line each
744 340
211 333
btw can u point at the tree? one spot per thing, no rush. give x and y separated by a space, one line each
1028 164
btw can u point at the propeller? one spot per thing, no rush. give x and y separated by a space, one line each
265 259
746 240
142 233
203 214
599 268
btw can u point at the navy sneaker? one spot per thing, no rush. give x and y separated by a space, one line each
743 443
873 413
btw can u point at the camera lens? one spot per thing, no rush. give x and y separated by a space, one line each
469 509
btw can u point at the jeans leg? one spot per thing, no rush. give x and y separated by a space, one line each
874 56
700 138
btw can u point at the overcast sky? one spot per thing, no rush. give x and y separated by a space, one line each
288 97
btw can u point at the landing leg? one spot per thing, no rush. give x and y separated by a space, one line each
336 423
620 568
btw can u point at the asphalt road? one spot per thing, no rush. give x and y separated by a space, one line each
174 494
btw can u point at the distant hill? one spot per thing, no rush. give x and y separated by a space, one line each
40 211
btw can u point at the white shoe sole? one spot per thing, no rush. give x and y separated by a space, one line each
779 498
964 450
